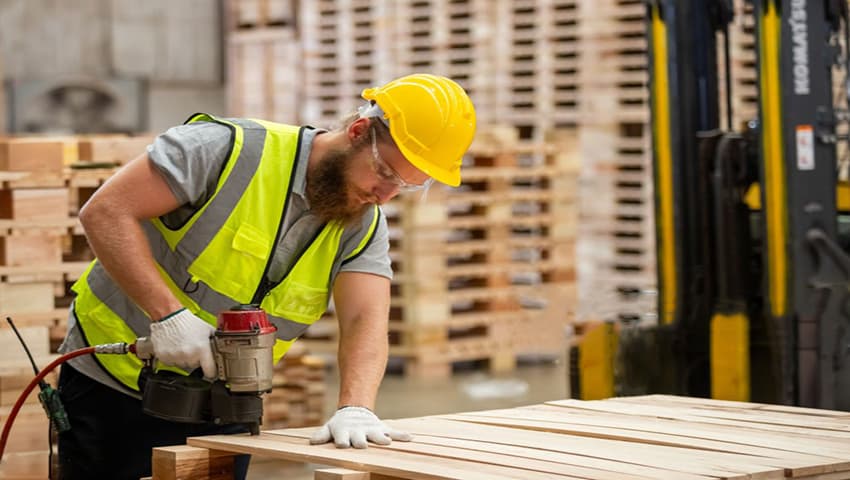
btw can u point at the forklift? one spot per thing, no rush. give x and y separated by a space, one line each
752 221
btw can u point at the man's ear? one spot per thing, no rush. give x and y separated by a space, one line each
358 129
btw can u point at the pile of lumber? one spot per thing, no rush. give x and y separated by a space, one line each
44 181
298 395
27 449
311 60
649 437
484 273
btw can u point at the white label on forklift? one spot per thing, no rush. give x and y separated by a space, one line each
805 147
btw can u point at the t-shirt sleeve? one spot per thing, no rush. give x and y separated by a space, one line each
191 158
375 258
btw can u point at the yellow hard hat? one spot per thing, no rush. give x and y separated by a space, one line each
431 120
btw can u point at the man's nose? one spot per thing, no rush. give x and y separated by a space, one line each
385 192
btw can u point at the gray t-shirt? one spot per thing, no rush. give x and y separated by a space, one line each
190 159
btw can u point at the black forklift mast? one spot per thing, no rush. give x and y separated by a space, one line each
684 95
748 310
806 272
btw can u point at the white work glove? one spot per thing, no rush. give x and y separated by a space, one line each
353 426
183 340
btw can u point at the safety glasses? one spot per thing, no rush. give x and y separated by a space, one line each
389 175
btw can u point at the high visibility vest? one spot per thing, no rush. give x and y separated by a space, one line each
221 255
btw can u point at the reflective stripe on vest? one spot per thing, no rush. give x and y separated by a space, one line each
219 257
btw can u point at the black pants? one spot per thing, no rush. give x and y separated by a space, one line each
112 438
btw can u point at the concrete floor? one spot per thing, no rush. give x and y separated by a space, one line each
400 397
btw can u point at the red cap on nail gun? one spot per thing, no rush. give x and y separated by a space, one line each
244 318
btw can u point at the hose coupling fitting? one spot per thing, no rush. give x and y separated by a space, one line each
112 348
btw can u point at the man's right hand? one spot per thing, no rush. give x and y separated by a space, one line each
182 339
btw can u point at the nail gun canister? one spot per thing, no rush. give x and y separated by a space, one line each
244 344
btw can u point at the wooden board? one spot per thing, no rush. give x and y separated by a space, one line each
112 149
648 437
36 154
34 204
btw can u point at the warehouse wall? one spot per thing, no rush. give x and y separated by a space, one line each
174 46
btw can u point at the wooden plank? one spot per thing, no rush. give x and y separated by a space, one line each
441 449
340 474
27 250
473 443
28 297
56 225
815 425
24 466
734 464
375 458
34 203
753 418
610 452
36 338
800 455
734 405
347 474
33 154
116 149
72 270
184 462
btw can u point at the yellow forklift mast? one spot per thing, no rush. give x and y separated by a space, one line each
753 270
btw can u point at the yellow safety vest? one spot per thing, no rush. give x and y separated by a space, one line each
220 256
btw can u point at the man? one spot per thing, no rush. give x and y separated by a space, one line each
234 211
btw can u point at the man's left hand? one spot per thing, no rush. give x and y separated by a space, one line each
355 427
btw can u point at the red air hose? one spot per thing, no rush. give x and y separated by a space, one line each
38 378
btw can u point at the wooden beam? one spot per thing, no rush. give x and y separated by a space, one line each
340 474
191 463
346 474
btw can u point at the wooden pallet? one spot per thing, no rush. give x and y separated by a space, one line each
252 14
27 450
104 150
298 395
484 272
648 437
264 79
346 47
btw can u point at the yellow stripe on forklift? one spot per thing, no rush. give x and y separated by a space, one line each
664 166
597 351
774 167
842 197
730 357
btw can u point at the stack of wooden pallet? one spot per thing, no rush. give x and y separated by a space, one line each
617 241
452 38
298 395
44 181
347 46
651 437
264 77
617 226
484 271
516 59
536 50
743 58
27 450
34 214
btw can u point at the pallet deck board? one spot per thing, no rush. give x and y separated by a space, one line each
647 437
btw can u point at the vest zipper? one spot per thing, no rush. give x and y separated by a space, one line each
263 287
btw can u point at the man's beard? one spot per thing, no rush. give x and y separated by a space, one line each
328 189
